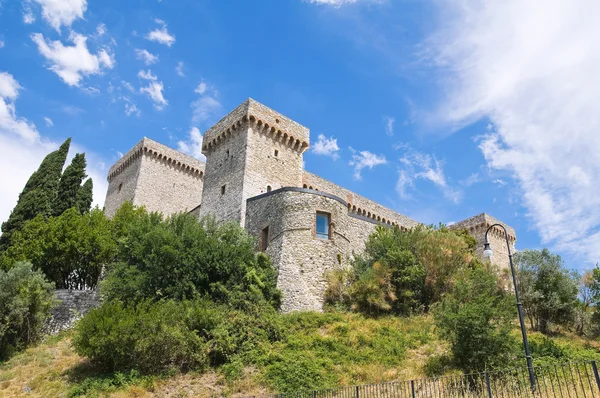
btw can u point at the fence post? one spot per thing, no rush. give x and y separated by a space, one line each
412 387
356 391
596 374
487 382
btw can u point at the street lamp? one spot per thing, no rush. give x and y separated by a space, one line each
487 253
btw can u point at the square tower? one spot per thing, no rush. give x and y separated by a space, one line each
250 151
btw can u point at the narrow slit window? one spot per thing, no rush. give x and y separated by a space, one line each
322 225
276 153
227 154
222 190
264 239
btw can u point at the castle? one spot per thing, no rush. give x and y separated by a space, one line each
254 175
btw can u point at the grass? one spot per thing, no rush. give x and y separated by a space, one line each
321 351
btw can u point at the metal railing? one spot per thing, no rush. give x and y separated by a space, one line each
571 380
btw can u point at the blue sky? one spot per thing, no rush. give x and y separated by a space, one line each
439 109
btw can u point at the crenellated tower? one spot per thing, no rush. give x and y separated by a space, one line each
251 151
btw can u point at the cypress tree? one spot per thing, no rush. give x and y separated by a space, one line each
39 193
70 184
84 196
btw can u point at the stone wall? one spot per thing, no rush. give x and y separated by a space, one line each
302 259
155 176
478 225
357 204
72 305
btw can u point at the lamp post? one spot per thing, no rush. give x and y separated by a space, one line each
487 253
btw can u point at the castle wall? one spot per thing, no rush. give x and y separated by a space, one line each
358 205
301 258
157 177
478 225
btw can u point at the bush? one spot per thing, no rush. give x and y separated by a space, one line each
185 259
475 317
26 298
155 337
402 272
149 337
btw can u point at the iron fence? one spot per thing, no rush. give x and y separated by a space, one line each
570 380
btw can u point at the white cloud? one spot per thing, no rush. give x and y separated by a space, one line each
28 17
131 108
147 75
23 149
499 182
363 159
161 35
154 89
49 122
389 125
193 145
335 3
417 165
326 146
207 106
179 69
201 89
101 29
470 180
73 63
127 85
146 56
533 71
1 43
62 12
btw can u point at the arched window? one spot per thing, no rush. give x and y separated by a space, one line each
268 188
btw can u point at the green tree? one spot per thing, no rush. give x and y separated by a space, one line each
405 271
475 317
548 290
26 298
85 196
70 185
39 193
70 249
183 258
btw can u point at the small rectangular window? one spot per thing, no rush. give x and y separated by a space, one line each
264 239
227 154
322 225
276 152
223 190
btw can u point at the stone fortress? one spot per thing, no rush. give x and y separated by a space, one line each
254 175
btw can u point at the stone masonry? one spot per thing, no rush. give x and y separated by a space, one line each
254 176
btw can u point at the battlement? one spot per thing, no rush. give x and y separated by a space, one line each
277 126
480 223
160 152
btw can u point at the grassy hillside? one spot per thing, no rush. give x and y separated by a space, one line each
323 350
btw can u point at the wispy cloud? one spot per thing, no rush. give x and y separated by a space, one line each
470 180
146 56
327 147
193 144
73 63
415 165
154 89
179 69
161 35
49 122
364 159
536 83
207 105
389 124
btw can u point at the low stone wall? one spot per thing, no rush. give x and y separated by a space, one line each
73 304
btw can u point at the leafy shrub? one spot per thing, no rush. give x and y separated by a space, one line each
26 298
70 249
149 337
402 272
155 337
183 258
475 317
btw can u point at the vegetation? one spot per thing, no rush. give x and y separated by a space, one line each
25 301
69 249
548 291
49 191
